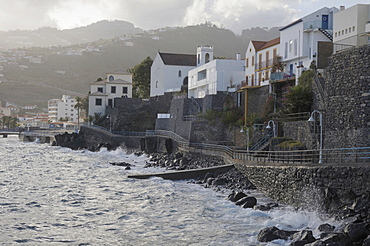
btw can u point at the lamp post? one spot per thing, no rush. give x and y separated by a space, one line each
110 123
247 135
312 119
273 126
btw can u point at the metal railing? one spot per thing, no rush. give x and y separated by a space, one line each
340 155
262 141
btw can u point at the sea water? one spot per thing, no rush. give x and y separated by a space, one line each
57 196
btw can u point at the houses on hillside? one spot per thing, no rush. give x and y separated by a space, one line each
213 75
102 93
169 72
63 108
307 41
351 27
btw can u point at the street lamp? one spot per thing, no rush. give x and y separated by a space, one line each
312 119
273 126
247 135
110 123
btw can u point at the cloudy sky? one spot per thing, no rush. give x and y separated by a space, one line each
151 14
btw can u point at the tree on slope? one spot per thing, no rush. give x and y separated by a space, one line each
141 78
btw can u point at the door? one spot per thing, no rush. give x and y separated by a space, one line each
325 21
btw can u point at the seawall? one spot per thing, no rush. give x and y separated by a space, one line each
327 187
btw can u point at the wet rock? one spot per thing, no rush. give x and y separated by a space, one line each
356 231
326 228
219 181
250 202
122 164
333 238
273 205
271 233
302 238
210 181
262 207
366 241
238 196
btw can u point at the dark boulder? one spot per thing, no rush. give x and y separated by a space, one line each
356 231
333 238
302 238
271 233
219 181
122 164
326 228
238 196
262 207
242 200
250 202
366 241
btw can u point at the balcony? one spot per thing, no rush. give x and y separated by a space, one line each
264 64
309 25
281 76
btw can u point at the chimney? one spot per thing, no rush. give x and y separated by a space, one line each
238 56
342 8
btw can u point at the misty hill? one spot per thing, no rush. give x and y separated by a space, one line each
48 36
39 74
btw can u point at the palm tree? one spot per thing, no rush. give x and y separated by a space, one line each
78 106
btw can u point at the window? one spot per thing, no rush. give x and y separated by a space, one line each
100 89
207 57
98 101
286 50
198 58
247 62
290 46
124 90
346 31
156 84
252 60
336 33
295 47
342 32
267 58
353 28
274 54
113 89
202 74
111 78
260 61
110 102
349 29
252 80
259 78
179 73
267 75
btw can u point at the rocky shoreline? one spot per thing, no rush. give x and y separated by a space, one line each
355 214
355 229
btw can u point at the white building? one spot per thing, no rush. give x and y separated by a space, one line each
352 27
211 76
102 93
301 40
169 72
259 59
62 108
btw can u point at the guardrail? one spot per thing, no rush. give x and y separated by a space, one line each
340 155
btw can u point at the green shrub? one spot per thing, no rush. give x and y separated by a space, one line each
290 144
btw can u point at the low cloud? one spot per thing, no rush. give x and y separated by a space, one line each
231 14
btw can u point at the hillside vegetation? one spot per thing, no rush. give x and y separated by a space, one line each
75 67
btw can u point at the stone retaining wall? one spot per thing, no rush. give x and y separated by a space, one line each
322 187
